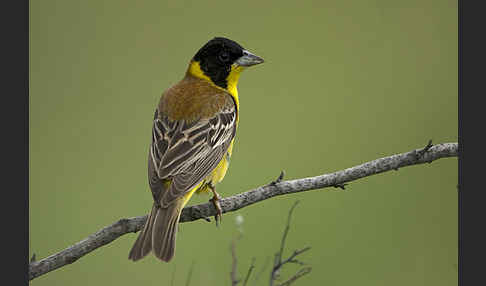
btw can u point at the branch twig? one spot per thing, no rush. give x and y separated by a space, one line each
234 262
236 202
264 267
286 232
300 273
249 271
278 263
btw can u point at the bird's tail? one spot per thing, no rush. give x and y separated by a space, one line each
158 233
143 244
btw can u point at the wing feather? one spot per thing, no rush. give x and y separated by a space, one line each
187 152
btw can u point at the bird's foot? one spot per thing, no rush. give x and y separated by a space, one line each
215 200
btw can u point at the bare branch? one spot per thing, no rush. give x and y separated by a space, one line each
292 259
278 263
279 179
236 202
286 231
234 279
92 242
264 267
252 266
427 147
300 273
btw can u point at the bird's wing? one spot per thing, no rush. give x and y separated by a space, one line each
187 152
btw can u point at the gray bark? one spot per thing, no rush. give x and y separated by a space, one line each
337 179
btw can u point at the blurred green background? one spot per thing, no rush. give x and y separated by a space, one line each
344 82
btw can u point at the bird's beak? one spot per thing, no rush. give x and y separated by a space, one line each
248 59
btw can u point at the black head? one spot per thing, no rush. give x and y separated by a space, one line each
218 56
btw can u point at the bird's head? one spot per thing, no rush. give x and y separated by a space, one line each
221 61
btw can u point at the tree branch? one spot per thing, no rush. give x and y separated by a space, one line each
300 273
278 263
277 188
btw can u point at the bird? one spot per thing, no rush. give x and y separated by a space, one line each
193 132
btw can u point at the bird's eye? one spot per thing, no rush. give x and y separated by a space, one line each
224 57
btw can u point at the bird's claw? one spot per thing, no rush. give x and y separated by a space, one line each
217 206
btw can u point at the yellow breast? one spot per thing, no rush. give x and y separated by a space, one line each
217 175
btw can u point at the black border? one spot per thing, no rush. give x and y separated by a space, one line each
15 46
471 194
15 144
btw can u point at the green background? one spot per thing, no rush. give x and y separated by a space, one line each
344 82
